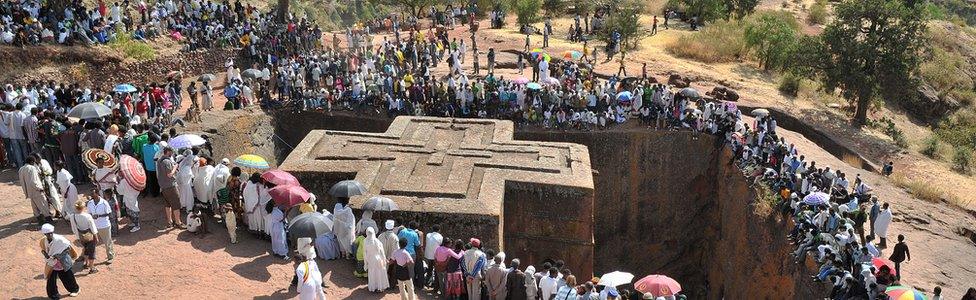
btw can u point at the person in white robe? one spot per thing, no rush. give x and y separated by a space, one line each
366 222
30 181
325 244
308 275
68 190
220 176
345 228
184 179
279 242
881 225
376 262
50 190
265 214
389 238
203 182
130 196
252 207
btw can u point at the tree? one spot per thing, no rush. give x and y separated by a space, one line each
527 11
623 17
773 39
414 7
872 47
710 10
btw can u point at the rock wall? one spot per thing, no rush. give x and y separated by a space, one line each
191 63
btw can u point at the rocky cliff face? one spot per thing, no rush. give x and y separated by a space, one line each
665 203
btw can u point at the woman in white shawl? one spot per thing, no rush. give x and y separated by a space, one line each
252 200
531 288
366 222
307 273
203 181
344 227
265 197
47 177
220 176
69 193
279 242
184 179
376 262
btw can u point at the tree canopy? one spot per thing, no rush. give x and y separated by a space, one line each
623 17
773 38
526 11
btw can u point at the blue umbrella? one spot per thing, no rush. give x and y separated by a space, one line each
816 198
625 96
124 88
533 86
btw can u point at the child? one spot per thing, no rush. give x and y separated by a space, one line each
195 224
230 219
130 197
360 256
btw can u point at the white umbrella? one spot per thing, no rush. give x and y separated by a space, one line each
378 203
760 112
615 278
89 110
187 141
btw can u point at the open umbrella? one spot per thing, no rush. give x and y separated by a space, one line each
186 141
347 188
625 96
550 81
521 80
309 225
615 278
690 93
759 112
251 161
174 73
279 177
533 86
289 195
572 55
89 110
133 172
91 155
816 198
877 262
898 292
206 77
658 285
124 88
378 203
252 73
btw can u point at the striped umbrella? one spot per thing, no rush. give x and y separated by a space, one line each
899 292
252 161
91 155
133 172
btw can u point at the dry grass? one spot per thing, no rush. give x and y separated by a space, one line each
721 41
927 191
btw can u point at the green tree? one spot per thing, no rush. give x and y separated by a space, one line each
740 8
772 37
872 48
526 11
414 7
624 19
711 10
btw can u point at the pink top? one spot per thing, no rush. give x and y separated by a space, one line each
402 257
444 252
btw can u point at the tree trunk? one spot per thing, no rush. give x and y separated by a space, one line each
282 11
863 103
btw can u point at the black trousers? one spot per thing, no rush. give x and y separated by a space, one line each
67 278
152 184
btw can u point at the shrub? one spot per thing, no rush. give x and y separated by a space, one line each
134 49
789 84
918 188
930 146
817 13
887 126
962 161
722 41
772 37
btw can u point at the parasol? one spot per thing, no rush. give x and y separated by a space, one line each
289 195
615 278
206 77
309 225
186 141
347 188
89 110
572 55
252 73
279 177
133 172
658 285
378 203
690 93
759 112
91 155
175 73
550 81
251 161
533 86
124 88
899 292
816 198
625 96
877 262
521 80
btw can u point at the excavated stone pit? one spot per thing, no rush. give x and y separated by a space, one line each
665 203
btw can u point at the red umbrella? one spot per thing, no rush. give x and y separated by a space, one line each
878 262
289 195
279 177
658 285
133 172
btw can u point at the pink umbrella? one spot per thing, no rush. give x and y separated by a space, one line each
658 285
133 172
289 195
878 262
279 177
521 80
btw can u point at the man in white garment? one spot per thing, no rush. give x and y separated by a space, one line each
100 209
68 190
881 225
30 181
389 238
203 182
307 274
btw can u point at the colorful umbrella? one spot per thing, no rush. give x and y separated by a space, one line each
124 88
572 55
615 278
899 292
877 262
657 285
289 195
816 198
133 172
91 155
251 161
279 177
551 81
521 80
186 141
533 86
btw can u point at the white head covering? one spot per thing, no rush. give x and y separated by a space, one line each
305 248
47 228
389 224
64 178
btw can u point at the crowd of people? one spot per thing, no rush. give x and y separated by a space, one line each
396 76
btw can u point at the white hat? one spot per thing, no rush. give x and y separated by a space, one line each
47 228
389 224
225 161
